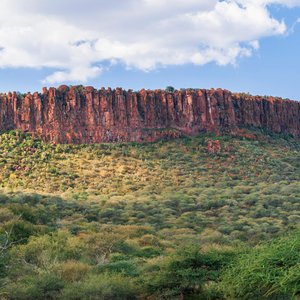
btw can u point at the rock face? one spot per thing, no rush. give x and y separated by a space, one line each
214 146
80 114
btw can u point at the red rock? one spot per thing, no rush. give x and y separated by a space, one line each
214 146
85 115
63 88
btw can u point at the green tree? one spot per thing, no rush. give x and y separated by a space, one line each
188 272
170 89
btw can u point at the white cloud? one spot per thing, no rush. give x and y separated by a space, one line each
74 36
76 73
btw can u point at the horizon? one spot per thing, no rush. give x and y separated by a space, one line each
147 89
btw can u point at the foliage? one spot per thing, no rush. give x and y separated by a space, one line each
170 89
269 270
102 287
188 272
161 220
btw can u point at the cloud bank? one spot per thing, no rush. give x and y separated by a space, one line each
76 38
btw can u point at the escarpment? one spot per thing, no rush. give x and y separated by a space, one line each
79 114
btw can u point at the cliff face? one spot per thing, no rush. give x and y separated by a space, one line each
87 115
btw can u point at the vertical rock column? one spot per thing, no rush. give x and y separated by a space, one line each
86 115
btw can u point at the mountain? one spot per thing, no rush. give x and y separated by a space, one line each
80 114
177 218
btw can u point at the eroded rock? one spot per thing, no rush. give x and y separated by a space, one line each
80 114
214 146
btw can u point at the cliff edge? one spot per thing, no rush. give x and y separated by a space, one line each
80 114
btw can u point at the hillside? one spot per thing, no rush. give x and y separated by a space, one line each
117 221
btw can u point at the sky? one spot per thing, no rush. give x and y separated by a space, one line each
241 45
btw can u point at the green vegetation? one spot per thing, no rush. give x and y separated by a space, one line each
170 89
164 220
269 271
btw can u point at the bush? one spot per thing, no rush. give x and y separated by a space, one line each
188 272
125 267
72 271
102 287
45 286
269 270
170 89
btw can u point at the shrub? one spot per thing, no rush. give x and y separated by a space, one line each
187 272
269 270
125 267
72 271
45 286
102 287
170 89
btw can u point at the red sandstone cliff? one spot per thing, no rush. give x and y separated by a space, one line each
87 115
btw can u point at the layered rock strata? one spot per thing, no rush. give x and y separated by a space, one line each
80 114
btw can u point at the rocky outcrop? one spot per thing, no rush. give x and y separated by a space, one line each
80 114
214 146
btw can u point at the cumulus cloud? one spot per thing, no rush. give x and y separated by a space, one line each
74 37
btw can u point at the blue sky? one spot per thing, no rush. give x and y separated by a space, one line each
247 46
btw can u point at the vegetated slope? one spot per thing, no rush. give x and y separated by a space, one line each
110 221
